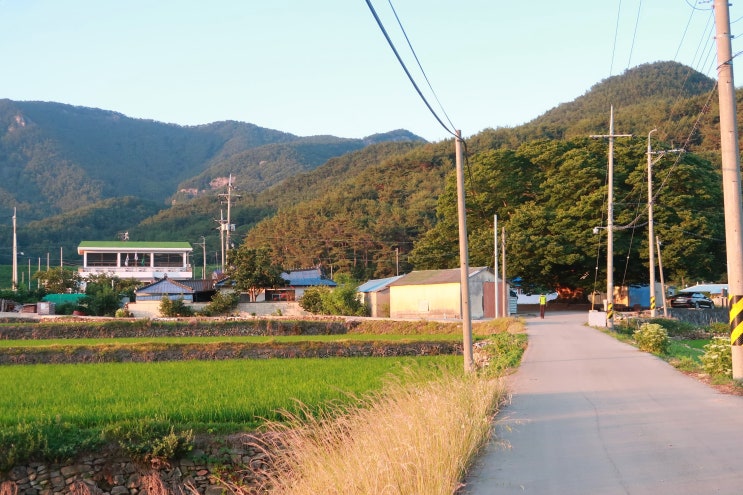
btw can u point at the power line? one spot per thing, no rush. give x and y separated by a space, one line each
412 50
634 35
404 67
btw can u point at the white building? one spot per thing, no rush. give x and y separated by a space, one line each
139 260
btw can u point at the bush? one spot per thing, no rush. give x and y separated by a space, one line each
718 358
147 440
170 308
651 337
341 300
221 303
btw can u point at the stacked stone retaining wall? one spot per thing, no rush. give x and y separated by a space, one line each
203 471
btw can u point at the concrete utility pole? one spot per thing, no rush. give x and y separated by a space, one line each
730 182
610 223
506 294
226 225
651 227
14 285
464 278
651 234
495 264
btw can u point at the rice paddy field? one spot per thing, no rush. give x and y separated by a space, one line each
205 395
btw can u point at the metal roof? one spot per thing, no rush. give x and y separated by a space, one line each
431 277
377 284
306 278
165 286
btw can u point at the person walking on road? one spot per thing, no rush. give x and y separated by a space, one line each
542 305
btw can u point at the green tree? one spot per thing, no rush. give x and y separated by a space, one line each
341 300
174 308
58 280
253 270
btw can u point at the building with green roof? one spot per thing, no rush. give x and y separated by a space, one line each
140 260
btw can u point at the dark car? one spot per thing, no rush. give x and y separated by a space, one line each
691 300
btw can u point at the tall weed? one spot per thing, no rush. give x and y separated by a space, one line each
414 437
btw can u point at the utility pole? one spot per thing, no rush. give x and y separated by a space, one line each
203 251
495 264
651 227
610 223
651 234
464 279
731 177
662 280
14 285
227 225
506 295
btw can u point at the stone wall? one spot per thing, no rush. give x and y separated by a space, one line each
205 470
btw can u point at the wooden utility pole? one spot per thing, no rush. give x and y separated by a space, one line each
464 278
731 177
610 223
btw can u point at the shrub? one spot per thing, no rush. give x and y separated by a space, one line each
147 440
221 303
170 308
718 358
651 337
719 328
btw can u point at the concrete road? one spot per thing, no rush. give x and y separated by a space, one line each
591 415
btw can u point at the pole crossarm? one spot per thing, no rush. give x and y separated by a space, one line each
610 221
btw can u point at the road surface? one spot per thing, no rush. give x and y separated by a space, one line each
591 415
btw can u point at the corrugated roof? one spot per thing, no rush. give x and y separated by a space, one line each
710 288
431 277
307 278
165 286
377 284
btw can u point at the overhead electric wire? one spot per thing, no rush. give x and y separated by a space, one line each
404 67
616 34
412 50
634 35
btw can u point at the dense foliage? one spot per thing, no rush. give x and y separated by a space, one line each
254 270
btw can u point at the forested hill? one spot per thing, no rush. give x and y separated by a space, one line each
365 205
546 182
56 158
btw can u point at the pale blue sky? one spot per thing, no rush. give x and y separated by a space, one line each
324 67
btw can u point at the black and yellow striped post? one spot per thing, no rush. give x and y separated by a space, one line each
652 303
610 314
736 319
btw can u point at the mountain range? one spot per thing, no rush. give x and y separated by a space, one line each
76 173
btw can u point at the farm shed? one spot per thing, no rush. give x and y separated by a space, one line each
437 294
375 294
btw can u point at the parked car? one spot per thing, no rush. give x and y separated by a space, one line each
691 300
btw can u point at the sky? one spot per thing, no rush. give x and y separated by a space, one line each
324 67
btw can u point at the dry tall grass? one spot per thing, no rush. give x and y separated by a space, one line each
417 438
